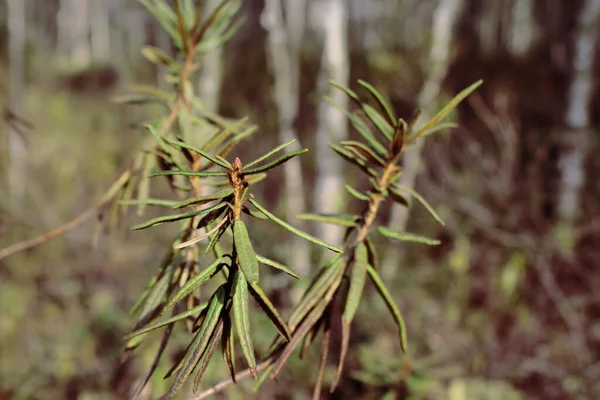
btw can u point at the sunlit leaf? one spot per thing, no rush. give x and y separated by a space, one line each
200 342
276 265
290 228
270 310
390 304
242 320
205 199
170 218
254 214
406 237
275 163
207 273
356 194
156 55
334 219
245 251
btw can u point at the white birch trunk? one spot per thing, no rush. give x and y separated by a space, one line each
332 124
577 119
283 49
211 75
524 31
73 21
445 16
17 175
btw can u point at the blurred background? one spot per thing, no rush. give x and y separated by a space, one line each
507 307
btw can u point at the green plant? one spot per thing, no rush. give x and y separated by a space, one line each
190 167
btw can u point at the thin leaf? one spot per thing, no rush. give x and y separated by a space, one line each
373 257
364 150
200 342
188 173
323 361
202 153
446 110
207 355
358 276
195 282
254 214
205 199
407 237
168 321
220 135
211 216
269 154
356 194
245 252
439 127
380 100
215 239
275 163
335 219
423 202
144 185
398 197
276 265
379 121
353 159
169 218
290 228
197 239
157 294
156 55
270 310
343 351
242 320
385 295
228 345
361 127
149 202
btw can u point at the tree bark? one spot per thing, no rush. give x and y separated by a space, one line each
444 18
283 52
17 172
100 30
575 141
332 125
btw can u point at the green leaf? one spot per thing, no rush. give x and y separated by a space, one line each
390 304
242 319
356 194
380 100
358 276
149 202
158 291
202 153
206 198
168 321
245 252
365 151
189 173
353 159
200 342
207 355
144 185
407 237
165 16
379 121
254 214
194 283
446 110
439 127
270 310
156 55
276 265
398 197
290 228
335 219
269 154
423 202
373 257
211 216
275 163
221 135
173 218
217 236
361 127
228 346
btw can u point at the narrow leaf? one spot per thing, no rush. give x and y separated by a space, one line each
269 154
446 110
276 265
390 304
242 320
207 355
407 237
364 150
205 199
188 173
353 159
379 121
270 310
380 100
254 214
211 216
149 202
200 342
334 219
356 194
168 321
156 55
290 228
322 362
439 127
245 252
197 239
195 282
358 276
228 345
398 197
423 202
169 218
202 153
275 163
343 351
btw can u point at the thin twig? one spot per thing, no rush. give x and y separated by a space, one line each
87 214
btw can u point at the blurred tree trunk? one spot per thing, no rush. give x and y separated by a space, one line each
283 51
575 141
17 175
332 126
211 75
445 16
100 30
523 33
74 31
